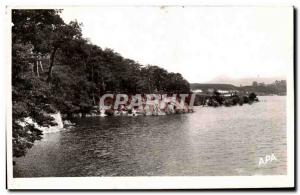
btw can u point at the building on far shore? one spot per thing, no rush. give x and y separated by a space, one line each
197 91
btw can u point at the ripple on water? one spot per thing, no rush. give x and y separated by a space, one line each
211 141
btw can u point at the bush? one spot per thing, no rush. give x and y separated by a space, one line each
246 99
252 97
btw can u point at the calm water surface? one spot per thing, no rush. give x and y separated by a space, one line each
211 141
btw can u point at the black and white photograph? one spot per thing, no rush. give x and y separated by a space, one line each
150 97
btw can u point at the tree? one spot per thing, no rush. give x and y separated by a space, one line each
59 38
82 73
31 97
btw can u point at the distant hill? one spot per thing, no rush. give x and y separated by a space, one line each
206 86
245 81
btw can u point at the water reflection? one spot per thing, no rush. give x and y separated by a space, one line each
211 141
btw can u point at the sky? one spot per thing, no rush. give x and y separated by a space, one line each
201 43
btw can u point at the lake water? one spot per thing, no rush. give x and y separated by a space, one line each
220 141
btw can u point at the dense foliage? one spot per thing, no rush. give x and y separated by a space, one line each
55 69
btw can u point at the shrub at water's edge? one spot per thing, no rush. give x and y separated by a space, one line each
216 99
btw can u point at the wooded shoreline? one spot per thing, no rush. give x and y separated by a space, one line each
56 70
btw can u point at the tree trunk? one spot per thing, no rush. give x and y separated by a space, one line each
149 88
41 65
37 69
92 73
51 64
32 68
102 85
94 100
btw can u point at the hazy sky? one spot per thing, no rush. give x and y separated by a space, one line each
201 43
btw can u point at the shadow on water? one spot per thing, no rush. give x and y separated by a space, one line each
211 141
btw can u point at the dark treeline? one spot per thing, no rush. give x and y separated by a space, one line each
55 69
207 86
277 87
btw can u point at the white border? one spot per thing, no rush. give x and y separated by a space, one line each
186 182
